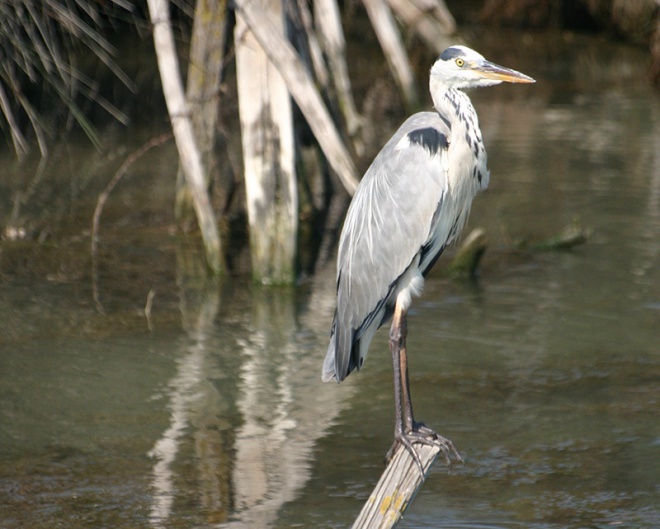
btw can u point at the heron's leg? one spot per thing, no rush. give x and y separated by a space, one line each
408 420
396 371
403 422
406 430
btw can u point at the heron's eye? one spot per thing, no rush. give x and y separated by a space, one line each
460 63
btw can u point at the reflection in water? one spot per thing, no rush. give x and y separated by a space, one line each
646 267
270 460
183 394
199 303
283 408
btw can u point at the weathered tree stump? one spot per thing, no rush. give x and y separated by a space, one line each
267 138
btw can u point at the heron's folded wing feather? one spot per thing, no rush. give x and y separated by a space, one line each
388 222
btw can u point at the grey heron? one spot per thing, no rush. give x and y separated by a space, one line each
412 202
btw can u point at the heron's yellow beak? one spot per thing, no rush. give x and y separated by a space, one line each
490 70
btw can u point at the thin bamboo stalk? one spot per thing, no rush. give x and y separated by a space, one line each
425 22
328 26
439 11
177 108
390 40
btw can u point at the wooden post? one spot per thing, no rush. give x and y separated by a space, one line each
302 89
266 119
396 488
203 96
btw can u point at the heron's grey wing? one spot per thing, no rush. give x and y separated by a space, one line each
389 222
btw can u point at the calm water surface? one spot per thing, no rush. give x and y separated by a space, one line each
211 411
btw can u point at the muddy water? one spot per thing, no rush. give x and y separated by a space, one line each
207 408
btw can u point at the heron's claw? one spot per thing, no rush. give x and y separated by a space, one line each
422 434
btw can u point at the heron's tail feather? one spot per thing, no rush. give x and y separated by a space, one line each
328 372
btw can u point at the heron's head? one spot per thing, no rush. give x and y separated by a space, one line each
461 67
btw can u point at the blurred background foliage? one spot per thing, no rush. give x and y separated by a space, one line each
64 62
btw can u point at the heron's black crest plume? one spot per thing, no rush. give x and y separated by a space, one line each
451 53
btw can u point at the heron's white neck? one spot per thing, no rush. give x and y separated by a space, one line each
439 86
438 90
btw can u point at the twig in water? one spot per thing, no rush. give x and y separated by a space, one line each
147 308
103 198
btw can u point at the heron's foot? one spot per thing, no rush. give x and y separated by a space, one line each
422 434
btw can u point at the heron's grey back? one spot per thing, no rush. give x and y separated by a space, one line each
388 222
